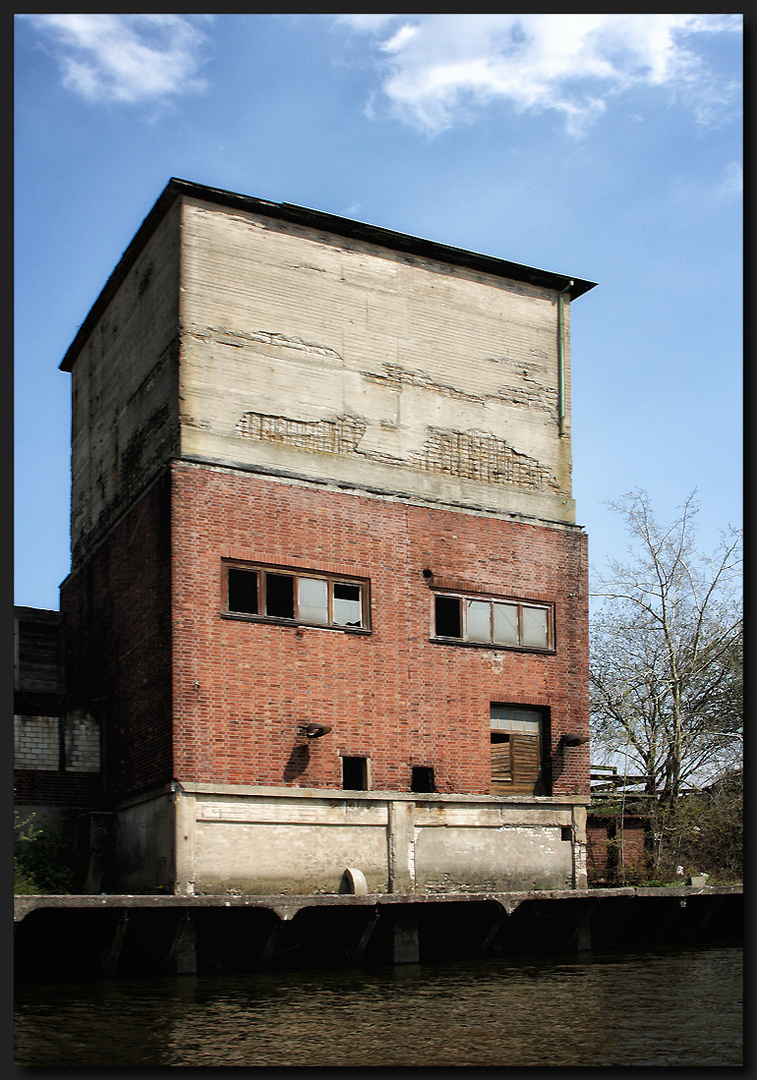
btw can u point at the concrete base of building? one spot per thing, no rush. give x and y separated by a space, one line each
194 839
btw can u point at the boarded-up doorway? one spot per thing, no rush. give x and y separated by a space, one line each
517 741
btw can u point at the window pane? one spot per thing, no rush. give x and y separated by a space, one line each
243 591
279 596
506 624
314 600
512 718
348 606
448 617
535 627
479 620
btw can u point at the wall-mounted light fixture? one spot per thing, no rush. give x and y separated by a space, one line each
313 731
575 740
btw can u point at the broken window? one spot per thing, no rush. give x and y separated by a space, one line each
481 621
348 604
279 596
243 591
300 598
448 621
355 773
518 739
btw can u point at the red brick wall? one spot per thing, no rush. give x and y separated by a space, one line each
241 688
47 788
118 644
608 860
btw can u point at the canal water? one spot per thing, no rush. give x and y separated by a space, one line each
677 1006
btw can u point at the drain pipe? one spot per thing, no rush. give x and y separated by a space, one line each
561 361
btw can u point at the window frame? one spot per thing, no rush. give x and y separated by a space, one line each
491 600
260 570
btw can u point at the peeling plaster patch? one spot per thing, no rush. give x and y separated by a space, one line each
469 455
395 375
239 339
530 398
531 395
531 390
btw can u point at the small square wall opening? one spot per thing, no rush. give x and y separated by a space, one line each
355 773
422 779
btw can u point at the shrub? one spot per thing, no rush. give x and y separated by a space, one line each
41 859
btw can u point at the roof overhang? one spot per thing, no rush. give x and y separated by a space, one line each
314 219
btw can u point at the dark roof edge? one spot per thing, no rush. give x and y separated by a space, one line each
316 219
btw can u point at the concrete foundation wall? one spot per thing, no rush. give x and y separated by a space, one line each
144 846
264 842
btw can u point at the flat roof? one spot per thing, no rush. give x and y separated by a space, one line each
315 219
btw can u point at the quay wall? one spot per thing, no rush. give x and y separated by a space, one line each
71 937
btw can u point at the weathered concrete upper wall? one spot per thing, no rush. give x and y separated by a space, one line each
332 358
125 390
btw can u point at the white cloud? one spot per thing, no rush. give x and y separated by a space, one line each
126 58
733 183
436 68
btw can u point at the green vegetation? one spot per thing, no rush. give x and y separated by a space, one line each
41 859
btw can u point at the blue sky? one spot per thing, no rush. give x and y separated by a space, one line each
606 147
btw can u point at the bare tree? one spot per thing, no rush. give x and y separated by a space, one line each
666 654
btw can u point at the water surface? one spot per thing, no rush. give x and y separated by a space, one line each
679 1007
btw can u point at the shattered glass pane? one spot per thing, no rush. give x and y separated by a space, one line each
348 605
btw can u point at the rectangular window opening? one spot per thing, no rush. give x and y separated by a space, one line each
279 596
479 620
313 600
355 773
485 621
535 628
348 604
301 598
448 620
422 779
243 591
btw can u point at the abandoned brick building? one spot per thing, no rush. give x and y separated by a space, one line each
328 601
